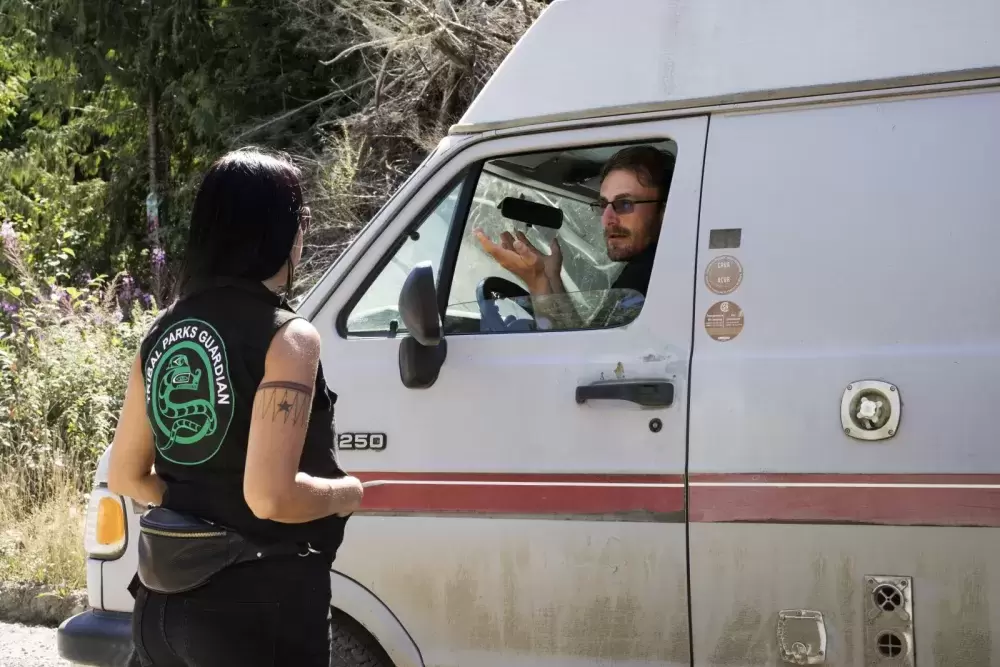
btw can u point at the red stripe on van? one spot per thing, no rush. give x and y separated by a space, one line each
930 500
636 497
901 500
936 479
536 478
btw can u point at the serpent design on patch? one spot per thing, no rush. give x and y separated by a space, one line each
188 392
193 419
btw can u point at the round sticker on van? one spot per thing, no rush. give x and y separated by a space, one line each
724 274
724 321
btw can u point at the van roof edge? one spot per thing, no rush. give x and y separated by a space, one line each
678 54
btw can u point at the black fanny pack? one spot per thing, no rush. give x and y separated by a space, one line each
179 552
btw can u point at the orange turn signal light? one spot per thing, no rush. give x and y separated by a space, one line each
110 521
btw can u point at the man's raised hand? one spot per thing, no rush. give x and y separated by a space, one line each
516 254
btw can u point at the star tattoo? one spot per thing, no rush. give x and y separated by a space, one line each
287 401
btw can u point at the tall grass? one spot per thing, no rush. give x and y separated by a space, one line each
41 538
65 355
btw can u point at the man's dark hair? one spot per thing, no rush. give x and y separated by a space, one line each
245 218
653 167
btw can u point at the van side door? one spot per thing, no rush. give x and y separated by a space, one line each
532 511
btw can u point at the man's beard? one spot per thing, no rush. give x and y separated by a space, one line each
621 252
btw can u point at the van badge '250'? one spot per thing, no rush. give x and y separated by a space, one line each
373 441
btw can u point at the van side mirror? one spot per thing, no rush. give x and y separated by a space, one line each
418 305
422 353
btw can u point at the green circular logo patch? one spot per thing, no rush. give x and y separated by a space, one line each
189 397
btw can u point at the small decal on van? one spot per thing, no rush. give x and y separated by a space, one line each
724 274
724 321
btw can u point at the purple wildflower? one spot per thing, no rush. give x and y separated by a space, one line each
147 300
8 308
159 258
60 295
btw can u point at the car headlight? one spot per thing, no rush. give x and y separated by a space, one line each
106 533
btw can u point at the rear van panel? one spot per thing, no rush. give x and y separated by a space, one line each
868 251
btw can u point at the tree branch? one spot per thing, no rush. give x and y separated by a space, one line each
357 47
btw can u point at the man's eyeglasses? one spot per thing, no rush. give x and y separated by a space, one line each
621 206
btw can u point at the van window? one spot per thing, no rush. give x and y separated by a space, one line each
599 283
377 311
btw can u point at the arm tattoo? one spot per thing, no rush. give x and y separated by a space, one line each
285 401
294 386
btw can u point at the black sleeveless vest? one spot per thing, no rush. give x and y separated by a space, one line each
202 361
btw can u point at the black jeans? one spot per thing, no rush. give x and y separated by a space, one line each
264 614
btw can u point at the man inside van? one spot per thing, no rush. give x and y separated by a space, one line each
634 187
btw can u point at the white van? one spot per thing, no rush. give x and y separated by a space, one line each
817 477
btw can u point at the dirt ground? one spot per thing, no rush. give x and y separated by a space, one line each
24 646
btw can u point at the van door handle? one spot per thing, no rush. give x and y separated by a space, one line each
647 393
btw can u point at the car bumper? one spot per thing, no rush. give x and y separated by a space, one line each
100 638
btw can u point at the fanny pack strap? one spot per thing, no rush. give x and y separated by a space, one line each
252 552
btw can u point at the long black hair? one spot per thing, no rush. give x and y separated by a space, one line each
245 218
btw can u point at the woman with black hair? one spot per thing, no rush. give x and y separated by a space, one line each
227 435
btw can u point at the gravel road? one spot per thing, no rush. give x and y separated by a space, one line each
23 646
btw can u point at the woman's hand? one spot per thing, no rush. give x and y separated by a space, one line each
348 492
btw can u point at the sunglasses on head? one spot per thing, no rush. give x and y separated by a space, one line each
305 218
622 206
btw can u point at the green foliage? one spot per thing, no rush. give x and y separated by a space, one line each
62 386
64 365
89 89
81 85
55 147
65 355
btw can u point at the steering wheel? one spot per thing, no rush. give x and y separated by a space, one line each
492 289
